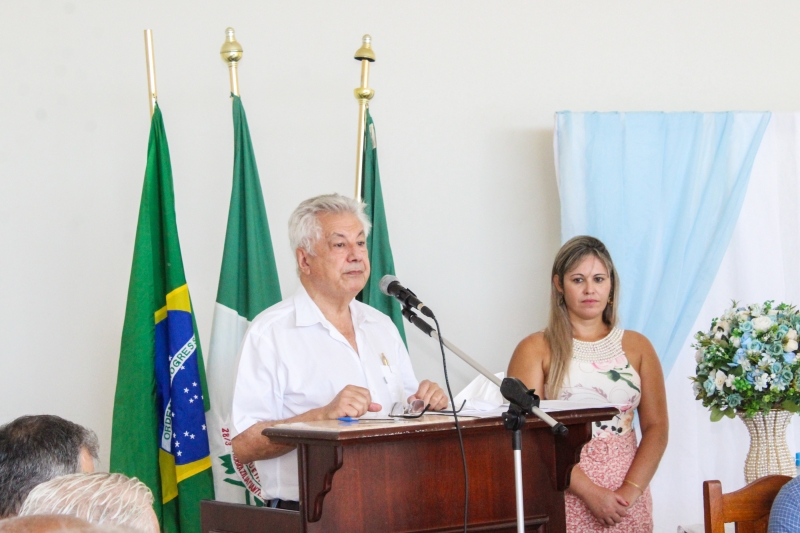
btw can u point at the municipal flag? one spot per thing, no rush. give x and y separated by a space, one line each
378 247
248 284
159 431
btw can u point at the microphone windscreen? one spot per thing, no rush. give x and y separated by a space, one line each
387 280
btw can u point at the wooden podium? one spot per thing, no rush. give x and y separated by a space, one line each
407 476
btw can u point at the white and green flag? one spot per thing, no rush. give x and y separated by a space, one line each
248 284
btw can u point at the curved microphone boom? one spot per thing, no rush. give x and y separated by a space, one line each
390 286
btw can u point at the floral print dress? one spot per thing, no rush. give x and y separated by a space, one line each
600 372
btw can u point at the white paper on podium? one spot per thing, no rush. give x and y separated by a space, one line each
483 400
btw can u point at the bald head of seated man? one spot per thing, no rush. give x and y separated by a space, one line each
38 448
55 524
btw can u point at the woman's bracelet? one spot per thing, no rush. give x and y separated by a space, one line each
629 482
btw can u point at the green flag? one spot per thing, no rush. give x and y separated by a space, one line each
159 432
248 284
380 252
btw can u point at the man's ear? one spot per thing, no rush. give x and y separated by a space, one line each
302 261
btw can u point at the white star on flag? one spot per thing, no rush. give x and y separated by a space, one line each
191 436
179 454
185 390
177 444
194 384
195 396
185 433
191 400
204 427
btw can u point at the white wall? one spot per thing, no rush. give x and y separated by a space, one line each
465 96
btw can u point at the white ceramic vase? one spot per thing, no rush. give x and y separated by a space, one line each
769 454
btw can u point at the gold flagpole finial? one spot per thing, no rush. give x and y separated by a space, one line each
363 94
151 70
232 52
365 52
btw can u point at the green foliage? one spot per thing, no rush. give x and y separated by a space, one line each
748 361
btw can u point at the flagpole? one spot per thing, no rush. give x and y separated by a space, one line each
232 52
152 94
363 94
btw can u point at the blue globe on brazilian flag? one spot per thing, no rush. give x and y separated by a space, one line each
184 435
159 431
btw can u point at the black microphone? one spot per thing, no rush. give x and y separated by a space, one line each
390 286
527 401
517 393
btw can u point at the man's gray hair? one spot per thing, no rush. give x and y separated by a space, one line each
56 523
99 497
304 227
35 449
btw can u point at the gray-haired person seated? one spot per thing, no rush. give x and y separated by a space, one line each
100 498
55 524
35 449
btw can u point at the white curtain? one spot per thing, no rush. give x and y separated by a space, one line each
761 263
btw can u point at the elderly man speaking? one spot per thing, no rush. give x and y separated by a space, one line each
320 354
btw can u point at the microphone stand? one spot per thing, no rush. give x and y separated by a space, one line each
521 401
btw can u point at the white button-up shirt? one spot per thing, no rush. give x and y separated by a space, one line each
293 360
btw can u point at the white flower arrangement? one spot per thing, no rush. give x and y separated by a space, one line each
748 361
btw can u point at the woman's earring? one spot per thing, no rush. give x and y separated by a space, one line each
561 298
610 300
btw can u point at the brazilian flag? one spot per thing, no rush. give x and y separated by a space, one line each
159 431
378 247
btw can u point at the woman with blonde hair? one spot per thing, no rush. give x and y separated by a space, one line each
582 356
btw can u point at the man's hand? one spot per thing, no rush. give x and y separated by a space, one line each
351 401
430 393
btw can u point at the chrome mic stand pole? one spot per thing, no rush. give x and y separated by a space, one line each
521 400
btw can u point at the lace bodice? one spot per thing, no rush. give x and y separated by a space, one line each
599 372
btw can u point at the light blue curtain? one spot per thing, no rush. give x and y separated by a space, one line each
663 191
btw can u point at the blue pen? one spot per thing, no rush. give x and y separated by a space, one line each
347 419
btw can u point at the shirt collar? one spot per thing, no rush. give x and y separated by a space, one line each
308 313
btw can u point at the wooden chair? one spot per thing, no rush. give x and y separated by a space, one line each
749 506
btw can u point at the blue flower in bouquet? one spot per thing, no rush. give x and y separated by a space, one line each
775 349
734 400
760 353
745 341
